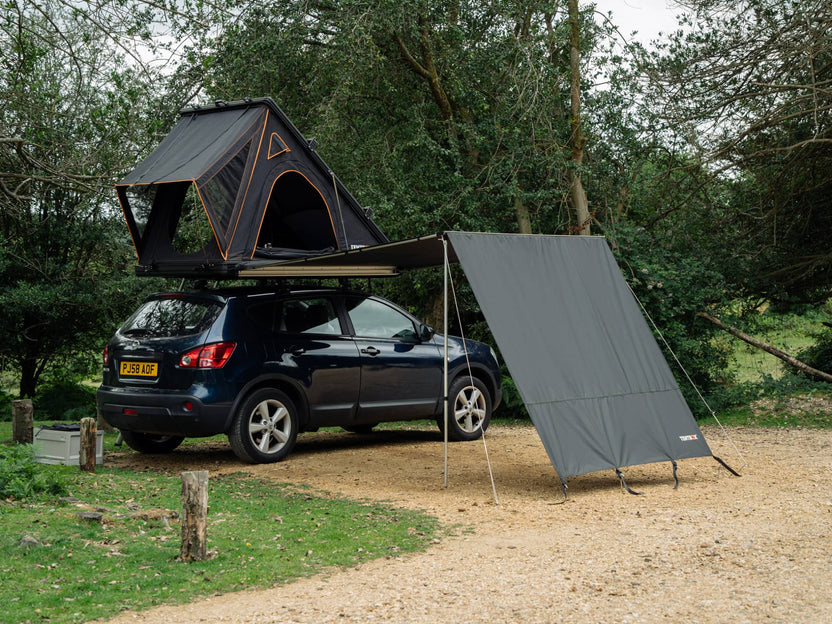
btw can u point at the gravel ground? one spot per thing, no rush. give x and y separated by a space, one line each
719 549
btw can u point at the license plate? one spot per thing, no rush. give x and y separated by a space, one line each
139 369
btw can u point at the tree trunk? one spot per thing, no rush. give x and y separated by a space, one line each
524 221
577 195
754 342
28 377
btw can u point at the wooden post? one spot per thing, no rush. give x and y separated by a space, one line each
194 516
22 421
86 454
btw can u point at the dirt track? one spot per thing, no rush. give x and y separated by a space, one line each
719 549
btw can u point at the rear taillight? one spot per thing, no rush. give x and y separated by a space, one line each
209 356
106 356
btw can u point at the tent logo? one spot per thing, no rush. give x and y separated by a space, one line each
689 438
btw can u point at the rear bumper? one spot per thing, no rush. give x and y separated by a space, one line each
161 413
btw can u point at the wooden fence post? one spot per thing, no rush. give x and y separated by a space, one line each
194 516
86 454
22 421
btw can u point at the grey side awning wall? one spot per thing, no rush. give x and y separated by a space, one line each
584 360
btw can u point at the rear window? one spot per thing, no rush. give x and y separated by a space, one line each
163 318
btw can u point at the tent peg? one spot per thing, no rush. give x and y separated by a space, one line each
624 483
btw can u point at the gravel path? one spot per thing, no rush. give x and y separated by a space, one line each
719 549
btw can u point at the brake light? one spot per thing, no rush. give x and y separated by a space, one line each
209 356
106 356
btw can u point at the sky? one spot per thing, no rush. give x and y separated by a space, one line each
648 17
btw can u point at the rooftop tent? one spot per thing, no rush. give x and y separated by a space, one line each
584 360
232 183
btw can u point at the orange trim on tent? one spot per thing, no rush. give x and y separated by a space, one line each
255 121
248 185
268 200
271 141
210 222
224 252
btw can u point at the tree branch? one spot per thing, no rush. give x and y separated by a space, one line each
755 342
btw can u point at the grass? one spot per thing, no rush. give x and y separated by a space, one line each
262 533
789 411
787 332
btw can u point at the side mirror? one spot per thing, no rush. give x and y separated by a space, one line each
426 333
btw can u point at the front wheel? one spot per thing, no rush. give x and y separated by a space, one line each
150 443
265 427
469 409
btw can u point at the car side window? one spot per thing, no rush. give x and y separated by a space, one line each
373 319
309 316
297 316
266 315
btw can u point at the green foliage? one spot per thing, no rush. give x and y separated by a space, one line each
790 400
22 478
512 406
819 354
260 533
64 401
672 288
72 118
5 406
438 119
756 159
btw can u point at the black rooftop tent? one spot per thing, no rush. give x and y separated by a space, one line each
233 184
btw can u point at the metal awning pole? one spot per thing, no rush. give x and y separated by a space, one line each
445 270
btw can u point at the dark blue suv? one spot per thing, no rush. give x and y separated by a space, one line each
262 364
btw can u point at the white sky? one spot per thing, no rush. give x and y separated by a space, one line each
648 17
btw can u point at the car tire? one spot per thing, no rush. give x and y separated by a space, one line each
469 409
265 427
150 443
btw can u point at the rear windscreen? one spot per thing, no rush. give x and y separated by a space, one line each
162 318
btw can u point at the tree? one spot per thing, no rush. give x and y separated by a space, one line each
71 119
443 115
746 95
576 139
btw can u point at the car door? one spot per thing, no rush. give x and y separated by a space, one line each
308 344
401 376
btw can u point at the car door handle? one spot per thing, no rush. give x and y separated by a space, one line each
370 351
296 350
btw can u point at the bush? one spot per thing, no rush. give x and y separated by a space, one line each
819 355
64 401
512 406
21 477
673 287
5 406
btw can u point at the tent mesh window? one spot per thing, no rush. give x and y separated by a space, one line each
192 232
221 190
296 216
140 201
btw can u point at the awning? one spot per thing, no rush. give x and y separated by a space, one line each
585 362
